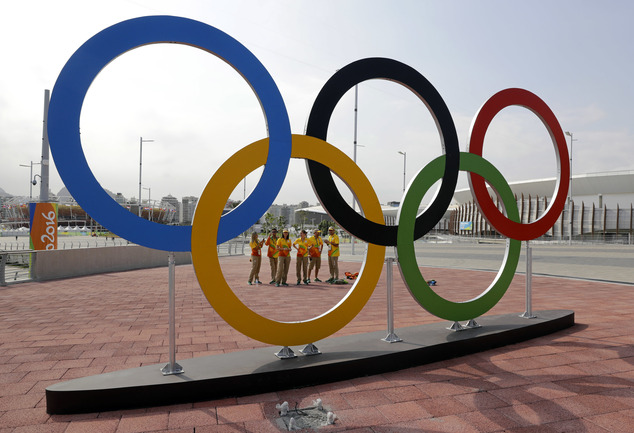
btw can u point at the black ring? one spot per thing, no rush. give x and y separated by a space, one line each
321 177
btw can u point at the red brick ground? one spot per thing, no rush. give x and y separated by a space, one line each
578 380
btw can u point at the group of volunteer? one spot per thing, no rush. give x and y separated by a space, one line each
308 256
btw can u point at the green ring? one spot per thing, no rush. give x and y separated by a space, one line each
418 287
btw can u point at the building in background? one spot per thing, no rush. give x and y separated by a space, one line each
283 210
187 209
176 206
602 208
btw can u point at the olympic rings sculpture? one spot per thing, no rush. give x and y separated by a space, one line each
210 227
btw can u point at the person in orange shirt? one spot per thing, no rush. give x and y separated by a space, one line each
256 258
333 255
284 245
301 245
272 253
315 246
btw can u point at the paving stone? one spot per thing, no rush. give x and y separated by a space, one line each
365 399
537 413
24 417
580 379
404 411
192 418
97 425
448 424
488 420
239 413
142 423
615 422
442 406
403 393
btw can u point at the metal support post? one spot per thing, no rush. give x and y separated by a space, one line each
456 326
172 367
286 353
354 154
3 263
310 350
391 336
528 314
472 324
44 171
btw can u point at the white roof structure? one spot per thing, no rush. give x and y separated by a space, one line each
607 189
613 187
389 212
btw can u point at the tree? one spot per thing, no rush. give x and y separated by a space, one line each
269 222
324 224
302 217
281 222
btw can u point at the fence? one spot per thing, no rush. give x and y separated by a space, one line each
69 243
20 265
15 267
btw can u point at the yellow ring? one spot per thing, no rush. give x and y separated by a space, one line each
207 265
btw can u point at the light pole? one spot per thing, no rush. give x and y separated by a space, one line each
354 151
404 167
570 209
44 178
141 141
149 201
31 179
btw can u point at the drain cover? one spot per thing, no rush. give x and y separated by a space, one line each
305 418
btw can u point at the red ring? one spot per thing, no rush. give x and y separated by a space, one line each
488 209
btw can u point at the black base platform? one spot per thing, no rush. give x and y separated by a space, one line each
259 371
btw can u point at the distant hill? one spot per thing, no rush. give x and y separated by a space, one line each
64 195
3 193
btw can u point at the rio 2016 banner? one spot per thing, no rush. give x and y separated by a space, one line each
210 227
43 219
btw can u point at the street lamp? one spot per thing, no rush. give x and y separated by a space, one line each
404 167
354 149
141 141
570 210
149 201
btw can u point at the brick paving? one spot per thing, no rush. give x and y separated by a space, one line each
577 380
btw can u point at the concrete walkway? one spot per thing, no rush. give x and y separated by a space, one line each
578 380
599 262
587 261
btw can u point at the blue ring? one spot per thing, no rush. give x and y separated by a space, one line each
65 111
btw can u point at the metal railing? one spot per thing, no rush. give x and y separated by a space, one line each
15 267
233 247
16 259
14 246
67 243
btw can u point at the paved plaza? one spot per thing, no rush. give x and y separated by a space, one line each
577 380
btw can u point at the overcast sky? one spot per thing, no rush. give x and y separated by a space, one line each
576 55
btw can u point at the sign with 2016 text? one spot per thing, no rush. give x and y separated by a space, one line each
43 218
